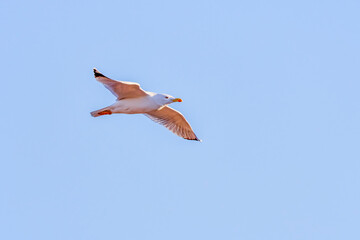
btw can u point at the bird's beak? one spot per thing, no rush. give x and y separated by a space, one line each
177 100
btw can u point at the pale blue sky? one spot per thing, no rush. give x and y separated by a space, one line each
272 88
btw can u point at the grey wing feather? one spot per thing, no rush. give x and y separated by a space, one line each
120 89
174 121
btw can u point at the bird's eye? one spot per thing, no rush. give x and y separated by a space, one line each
166 97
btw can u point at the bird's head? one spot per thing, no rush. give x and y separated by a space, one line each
164 99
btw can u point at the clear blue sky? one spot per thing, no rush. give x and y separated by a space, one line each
272 88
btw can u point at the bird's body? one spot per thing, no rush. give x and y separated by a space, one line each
131 99
135 105
131 106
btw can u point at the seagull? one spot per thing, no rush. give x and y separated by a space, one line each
131 99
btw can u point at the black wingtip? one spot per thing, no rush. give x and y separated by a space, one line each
197 139
97 73
194 139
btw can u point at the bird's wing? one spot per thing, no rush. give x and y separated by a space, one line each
174 121
119 88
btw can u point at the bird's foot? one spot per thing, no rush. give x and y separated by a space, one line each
105 112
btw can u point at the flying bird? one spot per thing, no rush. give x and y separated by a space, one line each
131 99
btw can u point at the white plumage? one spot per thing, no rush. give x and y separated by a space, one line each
131 99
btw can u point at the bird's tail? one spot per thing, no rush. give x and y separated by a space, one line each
100 112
